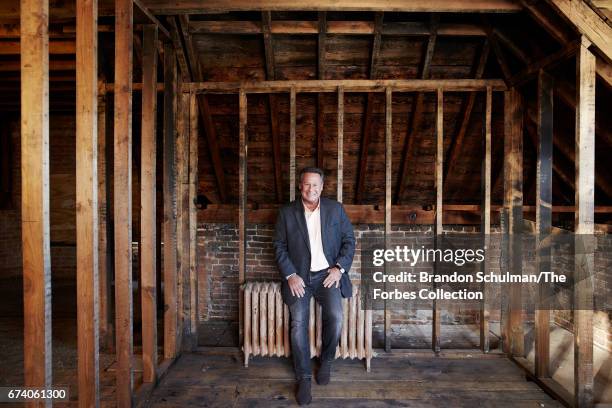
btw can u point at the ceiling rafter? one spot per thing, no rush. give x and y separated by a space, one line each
417 111
367 124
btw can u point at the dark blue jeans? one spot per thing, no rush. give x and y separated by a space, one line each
330 300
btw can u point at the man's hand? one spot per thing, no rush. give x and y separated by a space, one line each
333 277
297 285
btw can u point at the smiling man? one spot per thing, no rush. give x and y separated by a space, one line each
314 247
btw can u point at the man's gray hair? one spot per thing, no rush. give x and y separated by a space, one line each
315 170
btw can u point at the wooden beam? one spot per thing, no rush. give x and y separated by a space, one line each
512 46
56 47
321 75
105 217
35 240
190 51
409 28
340 173
272 105
122 195
169 192
242 202
543 220
87 203
417 112
350 85
193 219
445 6
584 220
543 18
388 180
588 23
148 217
513 201
457 142
367 122
144 10
178 49
292 164
438 227
485 228
547 63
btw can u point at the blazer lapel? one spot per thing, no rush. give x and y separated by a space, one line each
324 216
301 221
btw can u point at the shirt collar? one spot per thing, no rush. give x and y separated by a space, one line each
306 208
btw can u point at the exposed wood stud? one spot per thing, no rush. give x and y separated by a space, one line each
367 122
543 219
148 217
485 228
388 178
242 201
292 169
417 112
36 251
321 75
193 216
435 329
123 200
87 203
169 193
584 220
513 201
340 175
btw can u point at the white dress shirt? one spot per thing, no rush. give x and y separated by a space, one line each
313 223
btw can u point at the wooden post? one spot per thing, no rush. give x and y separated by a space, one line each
182 172
87 202
340 176
148 217
435 328
584 219
388 172
292 185
242 201
122 195
36 251
486 221
105 222
513 203
193 216
169 232
543 219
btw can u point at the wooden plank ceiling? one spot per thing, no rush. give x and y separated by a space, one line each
301 45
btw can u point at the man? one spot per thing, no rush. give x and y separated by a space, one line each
314 247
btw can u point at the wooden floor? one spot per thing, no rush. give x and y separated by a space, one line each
217 378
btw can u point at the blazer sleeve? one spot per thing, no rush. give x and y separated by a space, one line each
281 254
347 248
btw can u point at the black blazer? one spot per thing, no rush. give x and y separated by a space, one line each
292 246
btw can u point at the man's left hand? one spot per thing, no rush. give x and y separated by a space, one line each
333 277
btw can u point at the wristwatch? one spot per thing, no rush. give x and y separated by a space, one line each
340 267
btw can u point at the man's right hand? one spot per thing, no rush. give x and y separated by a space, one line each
297 285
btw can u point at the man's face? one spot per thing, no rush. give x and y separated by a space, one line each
311 187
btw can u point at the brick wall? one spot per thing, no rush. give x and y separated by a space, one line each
218 276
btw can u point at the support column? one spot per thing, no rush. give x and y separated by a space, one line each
193 217
543 220
148 194
87 202
513 203
242 201
36 249
388 180
169 187
584 228
485 227
124 10
435 323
